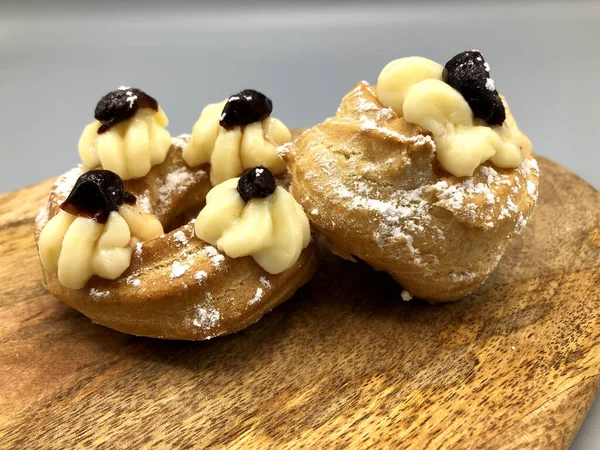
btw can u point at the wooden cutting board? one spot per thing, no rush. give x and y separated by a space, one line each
345 362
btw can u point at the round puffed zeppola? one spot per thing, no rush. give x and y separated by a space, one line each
425 176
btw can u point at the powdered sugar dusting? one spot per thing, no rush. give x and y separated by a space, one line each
178 269
143 202
385 114
284 149
131 97
405 214
200 276
371 125
391 210
216 258
488 172
454 197
180 237
133 281
402 214
42 218
175 183
365 105
504 213
521 224
528 166
257 296
532 190
266 283
181 141
206 317
462 277
97 295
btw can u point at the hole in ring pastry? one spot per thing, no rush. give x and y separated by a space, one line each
104 251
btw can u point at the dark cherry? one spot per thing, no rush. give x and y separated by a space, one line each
96 194
256 183
121 104
468 73
245 107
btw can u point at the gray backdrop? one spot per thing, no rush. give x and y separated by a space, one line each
58 58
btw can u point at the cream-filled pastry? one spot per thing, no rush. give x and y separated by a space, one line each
175 285
95 232
425 176
459 106
128 136
237 134
252 216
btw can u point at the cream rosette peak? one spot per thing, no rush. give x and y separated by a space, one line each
129 134
237 134
252 216
459 105
95 231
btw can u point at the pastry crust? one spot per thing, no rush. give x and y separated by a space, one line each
177 286
370 182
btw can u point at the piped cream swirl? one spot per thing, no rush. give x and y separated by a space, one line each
414 89
232 151
129 148
78 248
272 230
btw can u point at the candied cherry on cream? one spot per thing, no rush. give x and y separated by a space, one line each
469 74
245 107
96 194
258 182
120 105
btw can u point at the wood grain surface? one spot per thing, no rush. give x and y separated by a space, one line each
344 363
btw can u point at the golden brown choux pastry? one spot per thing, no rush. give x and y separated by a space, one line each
104 251
435 207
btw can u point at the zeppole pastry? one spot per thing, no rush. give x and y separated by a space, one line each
102 241
425 176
